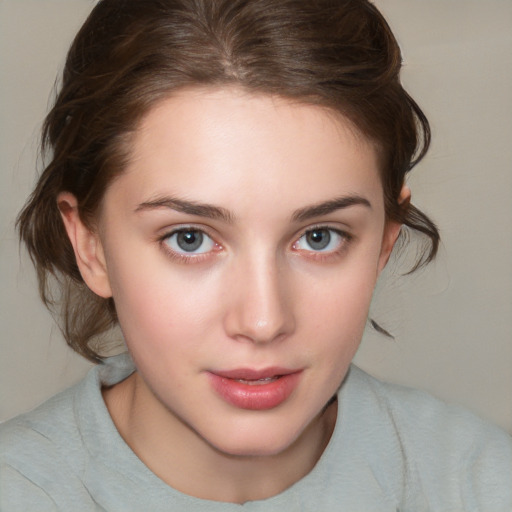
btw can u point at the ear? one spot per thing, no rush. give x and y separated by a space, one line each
89 254
392 230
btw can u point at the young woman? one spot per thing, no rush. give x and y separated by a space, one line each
226 183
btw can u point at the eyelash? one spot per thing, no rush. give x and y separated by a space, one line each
325 255
320 255
183 257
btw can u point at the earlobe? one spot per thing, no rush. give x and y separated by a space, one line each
87 246
392 230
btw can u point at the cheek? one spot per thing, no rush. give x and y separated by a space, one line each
338 309
158 302
343 295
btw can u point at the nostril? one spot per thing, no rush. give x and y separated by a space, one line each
250 323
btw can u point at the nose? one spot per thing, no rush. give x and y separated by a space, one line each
261 305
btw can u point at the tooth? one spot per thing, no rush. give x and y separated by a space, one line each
255 382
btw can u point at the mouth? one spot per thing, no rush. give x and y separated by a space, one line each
258 382
255 389
251 375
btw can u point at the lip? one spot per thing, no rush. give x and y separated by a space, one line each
265 389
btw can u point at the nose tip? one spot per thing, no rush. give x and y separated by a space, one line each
260 309
264 330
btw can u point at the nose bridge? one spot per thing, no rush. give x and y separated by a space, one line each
261 310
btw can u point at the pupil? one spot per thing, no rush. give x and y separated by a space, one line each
190 240
318 239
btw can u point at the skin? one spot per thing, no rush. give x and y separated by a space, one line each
255 294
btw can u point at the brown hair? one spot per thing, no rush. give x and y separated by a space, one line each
129 54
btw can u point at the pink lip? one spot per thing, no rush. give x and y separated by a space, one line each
256 396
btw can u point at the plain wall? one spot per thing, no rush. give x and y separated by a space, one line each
451 321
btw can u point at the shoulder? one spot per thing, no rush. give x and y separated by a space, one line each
40 451
57 426
49 425
46 453
420 414
444 448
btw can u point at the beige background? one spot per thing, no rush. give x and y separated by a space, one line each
452 322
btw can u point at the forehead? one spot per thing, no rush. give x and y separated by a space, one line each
206 143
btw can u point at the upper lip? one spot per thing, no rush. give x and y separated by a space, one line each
253 374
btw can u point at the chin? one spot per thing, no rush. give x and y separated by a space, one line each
259 439
253 449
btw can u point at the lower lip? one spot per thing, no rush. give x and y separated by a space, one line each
256 397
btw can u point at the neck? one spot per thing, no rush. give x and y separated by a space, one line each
198 468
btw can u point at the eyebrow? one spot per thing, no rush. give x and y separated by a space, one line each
330 206
189 207
219 213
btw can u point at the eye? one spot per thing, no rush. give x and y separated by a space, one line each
321 240
189 241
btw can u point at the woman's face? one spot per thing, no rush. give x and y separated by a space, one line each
241 247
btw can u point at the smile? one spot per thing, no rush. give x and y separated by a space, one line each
255 390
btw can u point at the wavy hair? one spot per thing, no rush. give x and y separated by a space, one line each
130 54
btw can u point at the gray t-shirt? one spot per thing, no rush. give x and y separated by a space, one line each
392 449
